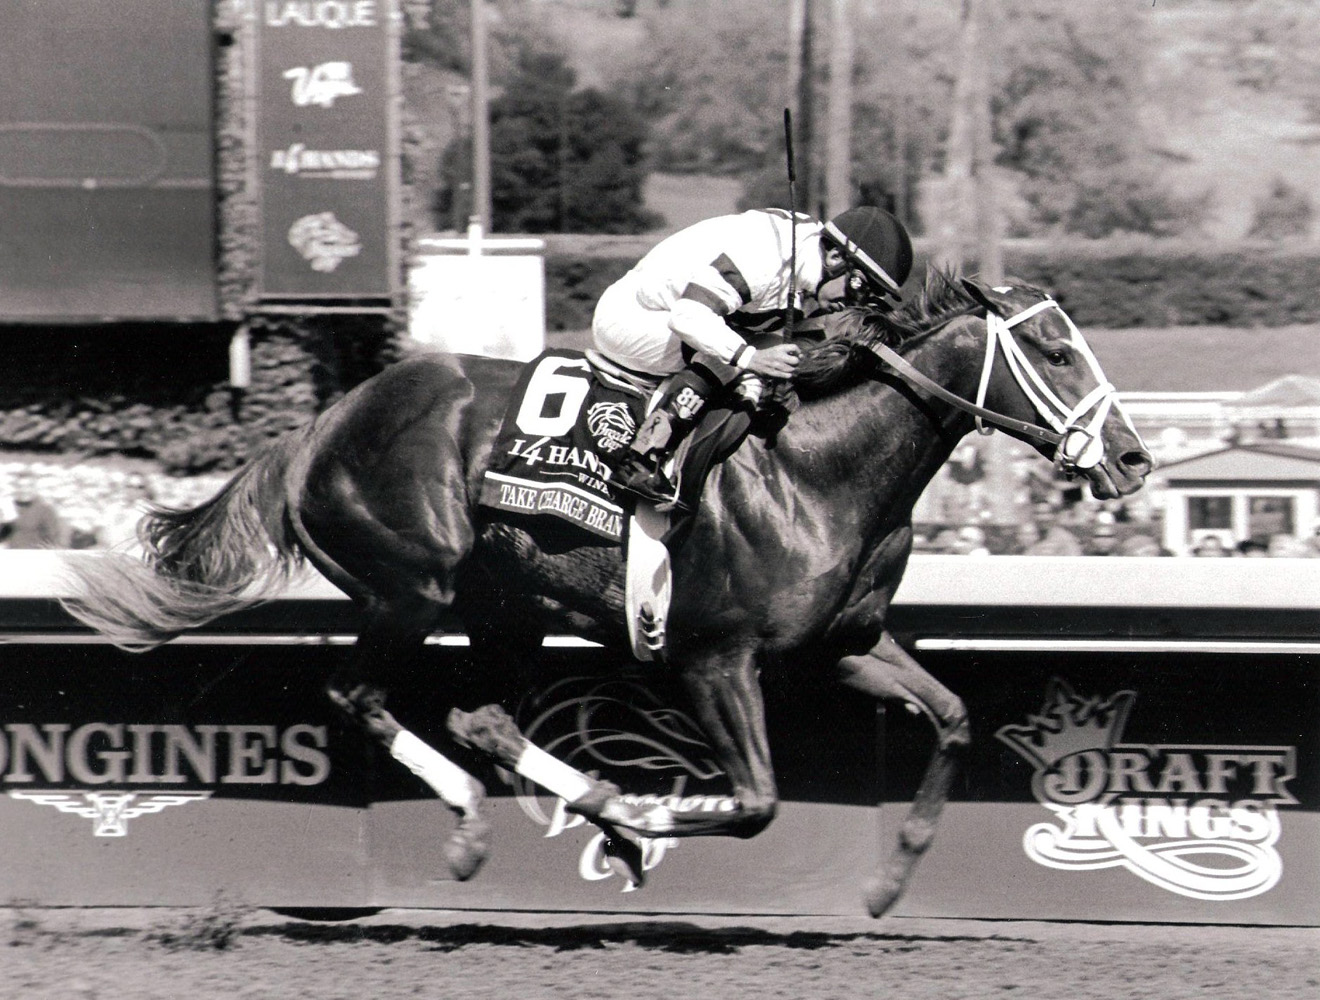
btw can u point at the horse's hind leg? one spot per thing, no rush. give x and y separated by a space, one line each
887 671
384 640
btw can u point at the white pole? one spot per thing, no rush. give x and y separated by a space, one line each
838 148
481 203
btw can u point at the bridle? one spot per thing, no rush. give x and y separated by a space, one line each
1076 440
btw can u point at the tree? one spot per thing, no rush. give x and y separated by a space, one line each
1066 121
562 160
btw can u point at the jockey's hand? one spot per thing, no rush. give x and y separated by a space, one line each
749 388
776 362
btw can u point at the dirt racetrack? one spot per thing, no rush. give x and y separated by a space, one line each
136 954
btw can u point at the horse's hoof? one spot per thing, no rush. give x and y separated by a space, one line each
593 803
624 858
468 847
880 894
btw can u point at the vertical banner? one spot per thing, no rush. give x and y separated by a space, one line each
325 94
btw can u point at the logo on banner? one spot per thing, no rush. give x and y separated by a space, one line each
589 723
114 754
1197 820
334 164
611 425
323 241
320 86
110 811
331 14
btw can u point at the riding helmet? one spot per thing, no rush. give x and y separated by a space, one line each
876 243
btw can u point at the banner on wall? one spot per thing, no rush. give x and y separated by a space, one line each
325 131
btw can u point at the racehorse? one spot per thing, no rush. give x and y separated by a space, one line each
800 540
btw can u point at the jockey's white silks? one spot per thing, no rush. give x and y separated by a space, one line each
1081 446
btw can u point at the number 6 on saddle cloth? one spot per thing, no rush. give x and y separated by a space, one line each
569 423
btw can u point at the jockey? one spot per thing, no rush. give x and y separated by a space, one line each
677 309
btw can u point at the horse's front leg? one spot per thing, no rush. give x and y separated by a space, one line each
887 671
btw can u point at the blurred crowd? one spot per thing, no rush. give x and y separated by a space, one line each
85 506
996 498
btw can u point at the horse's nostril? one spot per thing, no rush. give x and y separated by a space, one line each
1138 463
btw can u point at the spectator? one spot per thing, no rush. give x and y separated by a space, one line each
1025 536
1251 548
1141 545
1104 536
1313 541
971 541
945 542
1285 546
1056 541
29 522
1211 546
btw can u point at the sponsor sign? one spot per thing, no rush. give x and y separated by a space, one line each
325 132
112 757
1198 821
1152 786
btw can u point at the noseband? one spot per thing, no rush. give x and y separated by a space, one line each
1077 445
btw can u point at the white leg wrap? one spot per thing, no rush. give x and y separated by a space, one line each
536 765
454 785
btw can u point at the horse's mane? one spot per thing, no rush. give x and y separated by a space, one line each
843 359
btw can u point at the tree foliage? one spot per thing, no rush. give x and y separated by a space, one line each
1066 119
562 159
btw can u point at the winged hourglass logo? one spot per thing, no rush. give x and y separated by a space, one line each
109 811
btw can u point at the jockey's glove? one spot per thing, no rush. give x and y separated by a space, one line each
749 388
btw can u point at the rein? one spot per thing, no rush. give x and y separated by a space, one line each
1077 447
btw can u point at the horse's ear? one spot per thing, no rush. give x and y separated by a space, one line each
992 298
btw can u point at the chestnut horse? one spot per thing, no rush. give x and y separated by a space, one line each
800 540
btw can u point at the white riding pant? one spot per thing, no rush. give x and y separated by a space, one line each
634 335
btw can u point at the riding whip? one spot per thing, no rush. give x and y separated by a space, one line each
790 316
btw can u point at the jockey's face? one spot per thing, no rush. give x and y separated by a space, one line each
833 262
833 287
833 292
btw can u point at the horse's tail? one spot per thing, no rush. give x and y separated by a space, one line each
234 551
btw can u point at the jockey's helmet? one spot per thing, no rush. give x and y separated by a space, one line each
875 244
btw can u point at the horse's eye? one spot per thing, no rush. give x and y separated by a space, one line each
1057 358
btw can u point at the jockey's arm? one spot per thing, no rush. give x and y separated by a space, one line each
703 329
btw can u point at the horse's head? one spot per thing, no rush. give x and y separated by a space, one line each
1039 369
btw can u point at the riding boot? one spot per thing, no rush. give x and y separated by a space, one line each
640 472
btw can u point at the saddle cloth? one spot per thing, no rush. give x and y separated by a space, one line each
565 426
562 429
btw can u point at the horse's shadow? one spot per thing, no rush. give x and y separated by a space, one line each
676 937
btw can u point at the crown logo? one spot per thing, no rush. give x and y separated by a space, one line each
1068 724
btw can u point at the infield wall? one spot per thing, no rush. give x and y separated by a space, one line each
1146 744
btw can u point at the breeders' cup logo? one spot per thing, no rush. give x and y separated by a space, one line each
323 241
611 425
319 86
616 723
110 811
1199 821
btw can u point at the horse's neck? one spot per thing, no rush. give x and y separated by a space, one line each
873 432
